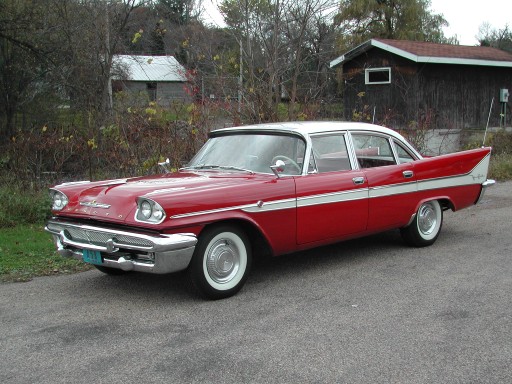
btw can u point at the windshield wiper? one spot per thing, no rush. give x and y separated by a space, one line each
213 166
233 168
200 166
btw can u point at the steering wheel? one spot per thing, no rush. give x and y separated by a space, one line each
287 159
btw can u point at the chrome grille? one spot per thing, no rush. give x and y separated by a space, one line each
88 236
133 241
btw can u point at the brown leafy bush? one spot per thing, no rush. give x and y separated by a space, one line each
132 144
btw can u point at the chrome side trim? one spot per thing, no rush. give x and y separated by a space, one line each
393 189
335 197
271 206
207 212
259 206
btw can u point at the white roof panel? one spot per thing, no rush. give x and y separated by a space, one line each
151 68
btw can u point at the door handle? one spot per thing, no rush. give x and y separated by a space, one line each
408 174
358 180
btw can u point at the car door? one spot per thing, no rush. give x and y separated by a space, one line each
389 170
332 199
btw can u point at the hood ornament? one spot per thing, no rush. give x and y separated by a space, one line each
94 204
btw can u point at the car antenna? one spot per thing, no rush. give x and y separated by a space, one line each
487 126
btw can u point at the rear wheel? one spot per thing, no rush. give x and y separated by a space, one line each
221 262
426 226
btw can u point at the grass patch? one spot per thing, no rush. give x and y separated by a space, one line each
500 167
27 251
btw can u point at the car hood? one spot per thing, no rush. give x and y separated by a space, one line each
177 193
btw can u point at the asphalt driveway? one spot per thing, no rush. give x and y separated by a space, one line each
365 311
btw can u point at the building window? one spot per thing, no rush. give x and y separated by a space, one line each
377 76
151 88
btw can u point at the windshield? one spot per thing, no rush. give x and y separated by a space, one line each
251 153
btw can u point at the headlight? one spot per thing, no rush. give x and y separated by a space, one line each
149 211
59 200
145 209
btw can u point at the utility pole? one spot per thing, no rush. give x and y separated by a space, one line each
240 80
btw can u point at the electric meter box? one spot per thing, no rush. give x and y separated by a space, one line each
504 95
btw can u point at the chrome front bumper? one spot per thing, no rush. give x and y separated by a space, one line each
126 250
487 183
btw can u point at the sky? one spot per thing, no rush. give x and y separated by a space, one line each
464 16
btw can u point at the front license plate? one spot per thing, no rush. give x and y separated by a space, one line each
93 257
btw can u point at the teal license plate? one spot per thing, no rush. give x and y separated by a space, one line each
93 257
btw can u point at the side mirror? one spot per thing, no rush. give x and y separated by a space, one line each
165 165
278 167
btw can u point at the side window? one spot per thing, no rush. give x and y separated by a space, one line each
372 150
403 155
329 154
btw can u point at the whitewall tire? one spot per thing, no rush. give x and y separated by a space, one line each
221 262
426 226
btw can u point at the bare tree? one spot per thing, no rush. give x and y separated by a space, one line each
59 52
497 38
24 60
282 52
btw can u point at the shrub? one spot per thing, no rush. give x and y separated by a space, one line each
132 144
20 206
501 167
500 141
501 159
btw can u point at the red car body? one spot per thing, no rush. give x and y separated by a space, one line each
211 218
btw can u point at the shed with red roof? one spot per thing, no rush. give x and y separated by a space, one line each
410 83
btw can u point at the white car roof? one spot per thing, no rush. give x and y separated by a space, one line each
311 127
307 128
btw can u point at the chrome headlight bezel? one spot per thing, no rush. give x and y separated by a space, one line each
149 211
59 199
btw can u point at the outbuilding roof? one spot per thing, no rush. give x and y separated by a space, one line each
424 52
151 68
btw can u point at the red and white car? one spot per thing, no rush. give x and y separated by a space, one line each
272 188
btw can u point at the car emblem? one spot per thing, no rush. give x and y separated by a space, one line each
94 204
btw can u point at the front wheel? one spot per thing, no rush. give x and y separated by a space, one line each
426 226
221 262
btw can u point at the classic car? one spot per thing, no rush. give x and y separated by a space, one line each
264 189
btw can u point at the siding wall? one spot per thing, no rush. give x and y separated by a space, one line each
437 95
165 92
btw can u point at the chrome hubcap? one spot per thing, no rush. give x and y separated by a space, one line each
427 219
223 261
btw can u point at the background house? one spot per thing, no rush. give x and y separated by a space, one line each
409 83
150 78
